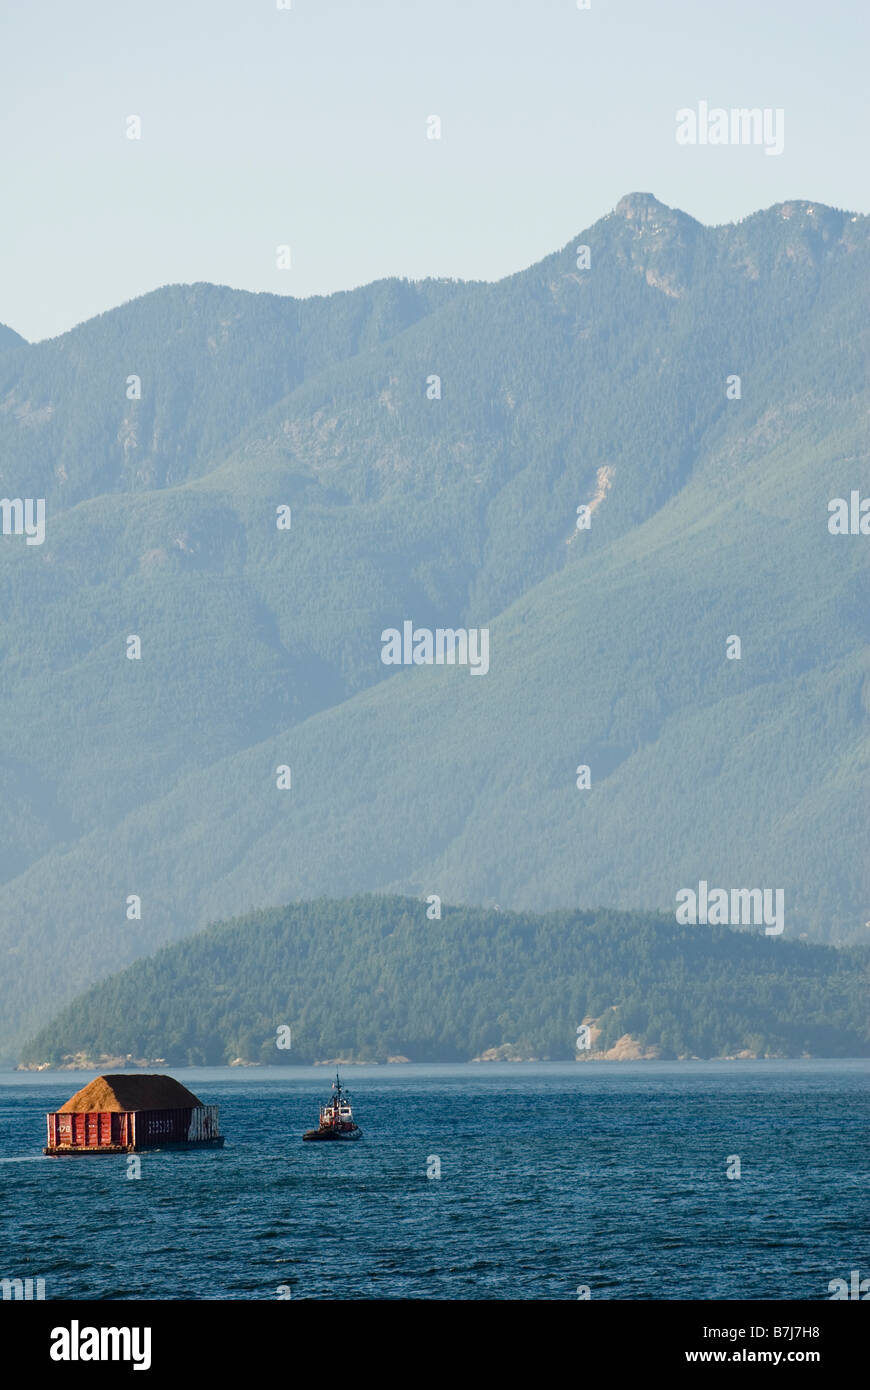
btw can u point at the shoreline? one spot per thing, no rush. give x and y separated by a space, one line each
12 1075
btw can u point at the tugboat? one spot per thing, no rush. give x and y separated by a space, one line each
336 1117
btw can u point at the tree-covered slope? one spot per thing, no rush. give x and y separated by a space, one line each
10 339
208 361
371 978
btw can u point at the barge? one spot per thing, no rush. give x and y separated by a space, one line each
129 1114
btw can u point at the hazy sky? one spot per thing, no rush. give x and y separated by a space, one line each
307 127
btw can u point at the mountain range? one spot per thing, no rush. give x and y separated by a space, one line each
258 487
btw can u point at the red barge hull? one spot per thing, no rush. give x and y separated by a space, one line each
132 1131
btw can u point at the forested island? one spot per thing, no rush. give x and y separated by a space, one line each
378 979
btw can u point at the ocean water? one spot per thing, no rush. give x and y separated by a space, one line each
552 1179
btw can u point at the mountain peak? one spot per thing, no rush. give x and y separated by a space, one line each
640 206
645 208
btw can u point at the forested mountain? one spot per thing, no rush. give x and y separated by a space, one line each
603 384
374 978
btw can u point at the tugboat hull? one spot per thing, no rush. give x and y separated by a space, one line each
330 1133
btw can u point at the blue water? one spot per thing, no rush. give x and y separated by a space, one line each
553 1177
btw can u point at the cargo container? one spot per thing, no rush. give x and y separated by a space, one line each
131 1113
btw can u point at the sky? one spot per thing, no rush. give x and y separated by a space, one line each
307 127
